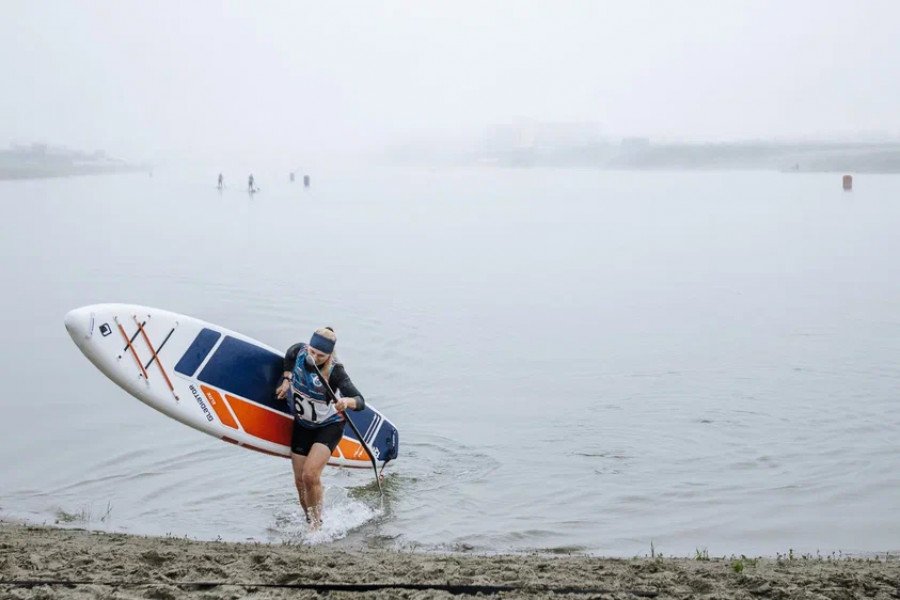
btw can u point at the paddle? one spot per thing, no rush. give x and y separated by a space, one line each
350 422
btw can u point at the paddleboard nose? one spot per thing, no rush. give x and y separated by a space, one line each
80 324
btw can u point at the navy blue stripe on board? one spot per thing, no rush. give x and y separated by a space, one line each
246 370
362 420
197 352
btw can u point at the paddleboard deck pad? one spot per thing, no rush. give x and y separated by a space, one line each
210 378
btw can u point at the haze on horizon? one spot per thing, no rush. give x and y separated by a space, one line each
213 81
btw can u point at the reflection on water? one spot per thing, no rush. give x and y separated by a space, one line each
576 360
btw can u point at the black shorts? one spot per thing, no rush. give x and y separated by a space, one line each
303 438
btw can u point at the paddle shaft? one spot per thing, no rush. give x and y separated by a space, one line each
353 427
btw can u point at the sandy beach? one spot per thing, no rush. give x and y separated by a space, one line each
44 562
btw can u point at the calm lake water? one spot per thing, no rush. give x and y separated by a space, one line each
576 360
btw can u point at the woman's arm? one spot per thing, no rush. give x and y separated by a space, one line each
350 396
290 358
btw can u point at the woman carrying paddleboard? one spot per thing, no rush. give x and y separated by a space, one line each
318 417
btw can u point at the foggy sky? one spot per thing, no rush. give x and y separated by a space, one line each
209 80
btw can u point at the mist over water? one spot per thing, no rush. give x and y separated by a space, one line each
167 82
576 360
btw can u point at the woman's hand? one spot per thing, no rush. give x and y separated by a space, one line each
282 390
342 404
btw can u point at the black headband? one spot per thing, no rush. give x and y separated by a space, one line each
321 343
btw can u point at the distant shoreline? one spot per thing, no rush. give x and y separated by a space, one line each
43 161
20 173
797 158
518 150
73 563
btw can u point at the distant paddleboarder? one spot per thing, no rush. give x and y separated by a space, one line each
221 182
250 184
318 416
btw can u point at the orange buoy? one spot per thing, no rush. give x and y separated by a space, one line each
848 183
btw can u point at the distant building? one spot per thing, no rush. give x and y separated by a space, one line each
635 143
526 134
44 160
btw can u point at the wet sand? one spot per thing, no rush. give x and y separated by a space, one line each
44 562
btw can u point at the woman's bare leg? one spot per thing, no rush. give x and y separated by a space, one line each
297 462
311 480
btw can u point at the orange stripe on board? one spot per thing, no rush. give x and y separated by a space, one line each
219 406
351 449
261 422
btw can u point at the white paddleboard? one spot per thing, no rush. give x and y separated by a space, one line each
210 378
